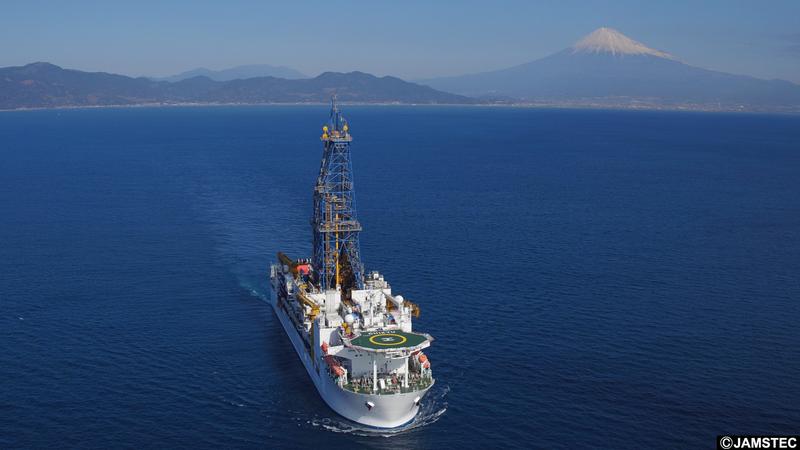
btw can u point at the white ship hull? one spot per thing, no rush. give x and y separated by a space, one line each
387 411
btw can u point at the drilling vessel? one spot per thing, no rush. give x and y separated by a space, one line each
352 334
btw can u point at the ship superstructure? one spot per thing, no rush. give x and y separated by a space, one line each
353 335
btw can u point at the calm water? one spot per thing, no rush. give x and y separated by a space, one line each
608 279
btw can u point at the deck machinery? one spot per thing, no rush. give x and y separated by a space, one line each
352 334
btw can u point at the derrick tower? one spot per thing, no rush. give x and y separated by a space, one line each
337 257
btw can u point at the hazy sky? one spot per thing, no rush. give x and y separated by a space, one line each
407 38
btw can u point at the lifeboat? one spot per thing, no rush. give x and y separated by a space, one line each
334 365
423 360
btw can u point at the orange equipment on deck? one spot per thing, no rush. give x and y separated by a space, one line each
423 359
334 364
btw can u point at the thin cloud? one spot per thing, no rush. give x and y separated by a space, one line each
793 49
791 37
794 43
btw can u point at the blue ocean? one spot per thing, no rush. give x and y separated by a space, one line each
600 279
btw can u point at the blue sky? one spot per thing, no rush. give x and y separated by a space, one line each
408 38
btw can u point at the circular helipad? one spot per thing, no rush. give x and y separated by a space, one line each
388 340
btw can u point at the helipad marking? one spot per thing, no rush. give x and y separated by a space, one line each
388 340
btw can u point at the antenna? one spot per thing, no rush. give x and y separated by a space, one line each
337 121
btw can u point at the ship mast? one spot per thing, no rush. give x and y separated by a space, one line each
337 257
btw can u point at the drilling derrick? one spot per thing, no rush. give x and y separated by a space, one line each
337 257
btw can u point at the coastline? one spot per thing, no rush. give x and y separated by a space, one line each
521 105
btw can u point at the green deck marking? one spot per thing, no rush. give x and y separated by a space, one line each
380 340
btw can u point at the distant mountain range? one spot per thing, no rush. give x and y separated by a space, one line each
608 68
238 73
604 69
43 85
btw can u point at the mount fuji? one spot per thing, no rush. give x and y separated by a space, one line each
607 68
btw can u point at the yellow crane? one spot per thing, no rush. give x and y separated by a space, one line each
306 300
286 261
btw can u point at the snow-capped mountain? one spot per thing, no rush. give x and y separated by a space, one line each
609 40
607 67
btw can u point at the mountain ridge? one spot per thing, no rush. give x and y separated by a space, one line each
45 85
238 72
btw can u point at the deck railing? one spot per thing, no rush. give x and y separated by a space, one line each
392 384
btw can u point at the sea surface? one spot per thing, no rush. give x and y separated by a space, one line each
592 278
